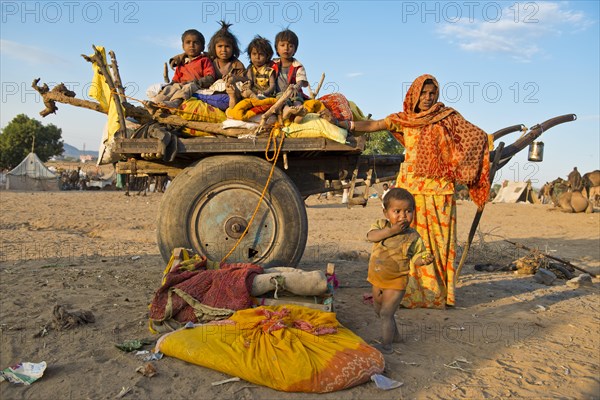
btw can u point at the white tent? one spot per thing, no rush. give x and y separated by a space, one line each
516 192
31 174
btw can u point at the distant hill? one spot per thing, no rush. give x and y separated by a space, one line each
74 152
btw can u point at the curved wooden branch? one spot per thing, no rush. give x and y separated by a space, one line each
510 129
535 132
525 140
200 126
62 95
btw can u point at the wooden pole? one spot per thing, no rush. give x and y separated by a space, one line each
117 76
475 224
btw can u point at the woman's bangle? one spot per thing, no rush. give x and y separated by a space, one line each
351 126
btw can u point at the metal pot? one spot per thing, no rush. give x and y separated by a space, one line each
536 151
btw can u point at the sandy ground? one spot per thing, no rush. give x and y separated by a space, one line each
508 336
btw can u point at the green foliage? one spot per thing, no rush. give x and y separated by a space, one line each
382 143
17 137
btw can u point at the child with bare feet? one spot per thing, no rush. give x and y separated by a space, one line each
395 247
260 76
289 71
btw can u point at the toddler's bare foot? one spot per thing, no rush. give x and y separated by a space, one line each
290 111
300 115
384 348
247 94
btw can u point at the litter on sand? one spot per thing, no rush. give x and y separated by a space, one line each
25 372
385 383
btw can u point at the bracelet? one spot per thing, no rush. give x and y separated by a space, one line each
351 126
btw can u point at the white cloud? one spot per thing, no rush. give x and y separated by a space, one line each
354 74
29 54
517 29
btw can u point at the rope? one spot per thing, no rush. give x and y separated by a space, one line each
272 140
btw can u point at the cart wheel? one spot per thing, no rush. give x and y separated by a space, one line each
207 207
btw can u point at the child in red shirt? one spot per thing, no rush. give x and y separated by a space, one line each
193 71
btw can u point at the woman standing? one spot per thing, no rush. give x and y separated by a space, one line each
441 150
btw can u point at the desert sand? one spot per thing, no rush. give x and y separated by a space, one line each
507 337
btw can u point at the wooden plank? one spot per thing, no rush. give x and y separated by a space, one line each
137 146
229 145
147 167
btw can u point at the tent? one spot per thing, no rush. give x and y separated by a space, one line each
31 174
516 192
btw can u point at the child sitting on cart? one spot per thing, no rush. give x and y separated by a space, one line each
288 71
260 76
193 71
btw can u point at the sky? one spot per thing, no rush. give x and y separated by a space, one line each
498 63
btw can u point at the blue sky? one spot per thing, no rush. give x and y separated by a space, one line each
499 63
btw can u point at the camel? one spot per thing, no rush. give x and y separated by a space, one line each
575 181
591 183
546 193
568 201
573 202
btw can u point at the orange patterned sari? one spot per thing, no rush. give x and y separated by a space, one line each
441 148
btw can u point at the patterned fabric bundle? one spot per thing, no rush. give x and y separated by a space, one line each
338 105
289 348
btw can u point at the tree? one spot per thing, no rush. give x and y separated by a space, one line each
17 137
382 143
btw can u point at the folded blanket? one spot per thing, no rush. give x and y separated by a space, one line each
203 295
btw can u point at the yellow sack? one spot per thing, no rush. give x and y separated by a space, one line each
289 348
197 110
313 126
248 108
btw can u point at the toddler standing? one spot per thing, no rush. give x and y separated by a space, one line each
395 247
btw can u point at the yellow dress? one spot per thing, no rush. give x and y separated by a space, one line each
390 260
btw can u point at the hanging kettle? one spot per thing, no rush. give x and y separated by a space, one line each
536 151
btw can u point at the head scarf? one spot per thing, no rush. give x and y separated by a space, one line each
448 146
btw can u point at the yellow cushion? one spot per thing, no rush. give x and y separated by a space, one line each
312 126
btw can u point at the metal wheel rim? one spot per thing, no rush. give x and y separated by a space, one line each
223 204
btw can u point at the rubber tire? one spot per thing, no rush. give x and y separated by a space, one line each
280 228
